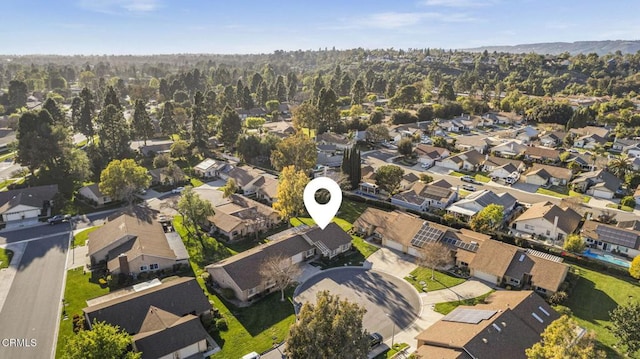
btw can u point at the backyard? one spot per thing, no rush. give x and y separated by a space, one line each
594 296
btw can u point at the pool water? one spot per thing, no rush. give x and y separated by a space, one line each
607 258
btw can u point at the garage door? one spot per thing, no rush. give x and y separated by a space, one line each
415 252
602 194
393 245
485 276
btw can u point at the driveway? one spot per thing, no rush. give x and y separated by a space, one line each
391 303
390 261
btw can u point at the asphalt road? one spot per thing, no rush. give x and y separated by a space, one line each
33 304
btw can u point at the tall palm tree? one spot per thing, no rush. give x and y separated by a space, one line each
620 166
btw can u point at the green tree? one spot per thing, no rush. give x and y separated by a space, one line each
377 116
37 146
388 177
141 122
330 328
167 123
179 149
111 98
574 243
122 179
194 210
620 166
59 117
210 102
446 92
229 188
425 113
298 151
351 166
358 93
114 133
291 184
377 133
425 178
199 134
405 147
625 320
488 219
306 116
328 109
634 269
406 96
230 127
560 340
103 341
439 141
254 122
272 105
161 160
628 201
87 112
248 147
17 97
76 108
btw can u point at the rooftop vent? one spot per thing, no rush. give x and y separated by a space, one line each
484 340
496 327
521 257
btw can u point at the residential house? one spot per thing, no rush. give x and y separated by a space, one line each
633 151
623 145
133 242
589 142
209 168
623 240
166 175
153 148
93 195
341 142
428 155
368 183
552 139
542 154
548 220
466 161
509 149
602 132
476 201
542 175
476 142
527 134
408 180
162 317
25 205
503 118
454 125
584 160
422 196
508 323
237 217
493 163
409 233
241 272
244 176
504 264
281 129
265 188
599 184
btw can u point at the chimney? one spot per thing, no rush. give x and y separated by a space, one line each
555 228
124 264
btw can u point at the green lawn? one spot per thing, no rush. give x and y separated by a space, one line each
448 307
351 210
456 174
195 182
5 183
441 280
477 176
5 257
551 192
562 192
7 156
621 207
482 178
78 290
594 296
80 239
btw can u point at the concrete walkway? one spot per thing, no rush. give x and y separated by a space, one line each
8 274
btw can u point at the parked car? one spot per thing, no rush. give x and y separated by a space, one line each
177 190
468 187
467 179
375 339
60 218
252 355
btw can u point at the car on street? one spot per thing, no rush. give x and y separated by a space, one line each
59 218
375 339
177 190
467 179
468 187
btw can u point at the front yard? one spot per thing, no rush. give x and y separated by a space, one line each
448 307
479 177
620 207
5 257
441 280
562 192
594 296
81 237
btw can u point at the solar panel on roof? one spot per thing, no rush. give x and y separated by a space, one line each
617 236
426 234
466 315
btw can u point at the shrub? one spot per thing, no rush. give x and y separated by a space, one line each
558 298
221 324
628 201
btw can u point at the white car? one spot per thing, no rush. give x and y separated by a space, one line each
177 190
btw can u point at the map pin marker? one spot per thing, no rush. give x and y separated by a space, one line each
322 213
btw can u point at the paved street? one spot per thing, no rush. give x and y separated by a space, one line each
32 306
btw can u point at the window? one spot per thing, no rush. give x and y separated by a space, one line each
153 266
251 292
548 232
514 281
143 268
529 227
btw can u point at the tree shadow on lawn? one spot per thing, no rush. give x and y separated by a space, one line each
265 313
590 304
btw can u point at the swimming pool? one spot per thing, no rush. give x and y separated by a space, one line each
607 258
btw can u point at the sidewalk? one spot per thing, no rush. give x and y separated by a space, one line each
8 274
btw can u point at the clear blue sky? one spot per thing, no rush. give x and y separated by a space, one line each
238 26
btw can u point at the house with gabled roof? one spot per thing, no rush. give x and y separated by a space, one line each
239 216
479 143
340 142
589 141
542 154
622 238
552 139
493 163
162 317
424 196
476 201
623 144
548 220
241 272
93 194
526 134
509 149
504 264
599 184
504 326
133 242
541 175
24 205
468 161
209 168
428 155
602 132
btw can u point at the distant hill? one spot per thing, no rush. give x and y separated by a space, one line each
574 48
